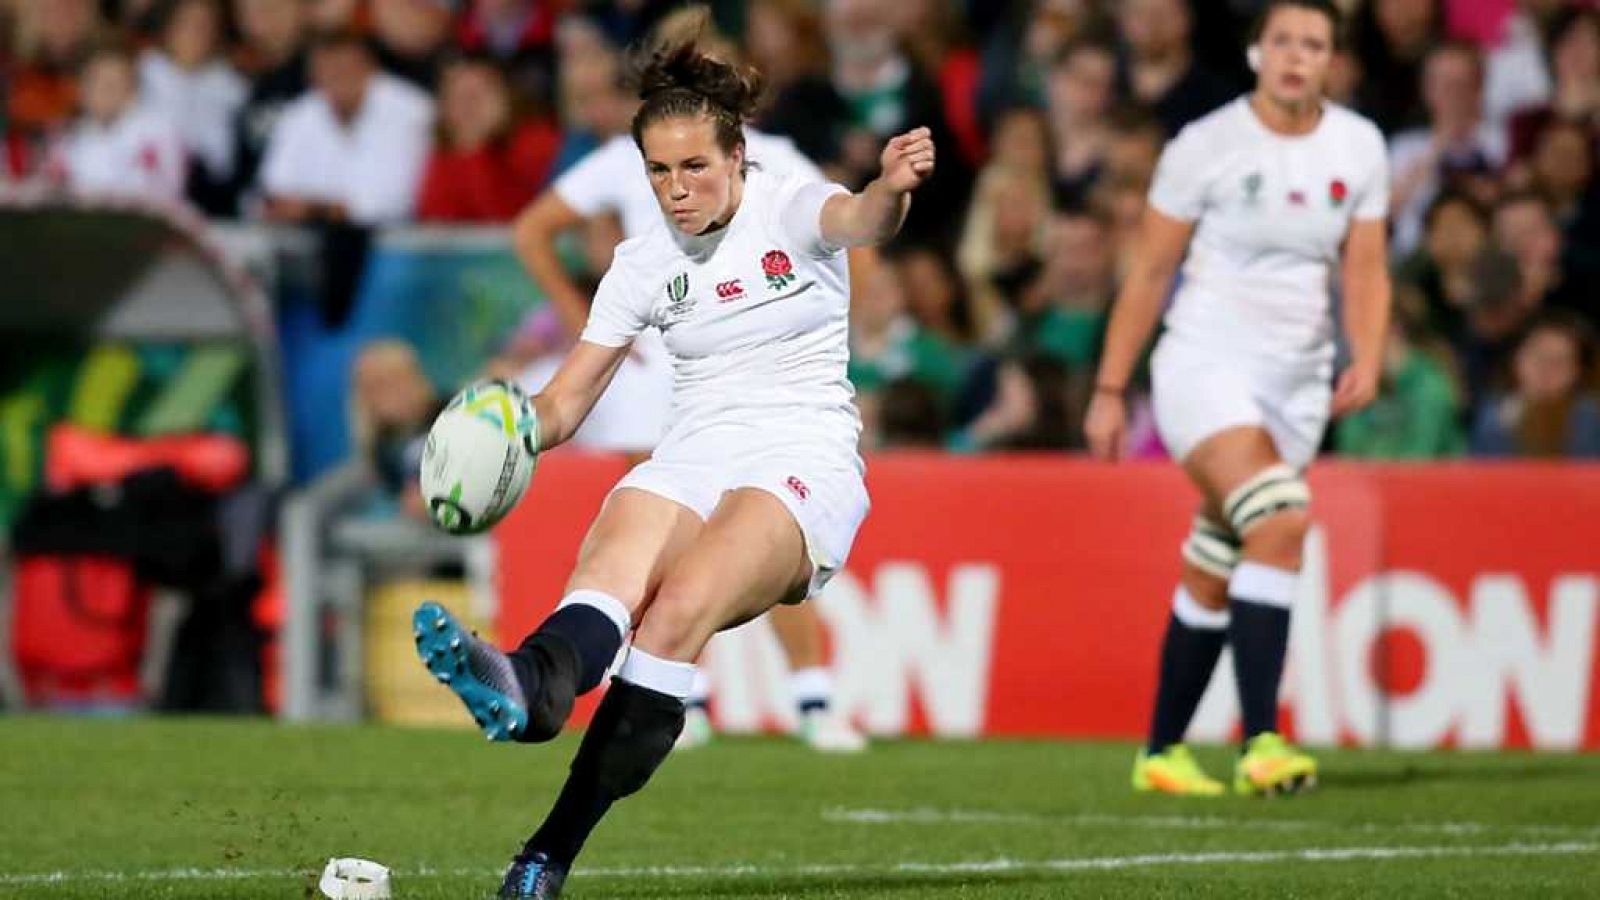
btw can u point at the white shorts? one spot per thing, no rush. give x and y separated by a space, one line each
1199 392
631 416
828 502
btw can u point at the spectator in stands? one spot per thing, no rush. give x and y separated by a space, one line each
912 416
1458 150
519 34
931 31
411 38
1022 49
1551 276
193 86
1440 271
1081 90
1574 60
880 332
887 93
1136 144
53 40
1498 311
1548 414
1133 150
392 404
487 162
1416 414
1344 77
1562 171
595 102
273 58
351 150
1063 314
1518 67
1162 71
785 41
1392 38
118 147
942 344
1002 241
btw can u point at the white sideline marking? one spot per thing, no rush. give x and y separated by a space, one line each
991 866
933 816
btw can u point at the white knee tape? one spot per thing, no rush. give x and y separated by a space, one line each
1272 491
1211 548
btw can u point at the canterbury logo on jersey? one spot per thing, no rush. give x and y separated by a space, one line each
730 290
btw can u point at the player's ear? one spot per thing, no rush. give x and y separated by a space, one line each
1252 57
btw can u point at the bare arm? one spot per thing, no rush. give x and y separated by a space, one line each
572 392
534 236
1368 297
1162 241
875 215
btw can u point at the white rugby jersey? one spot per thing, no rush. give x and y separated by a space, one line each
1272 213
754 317
612 178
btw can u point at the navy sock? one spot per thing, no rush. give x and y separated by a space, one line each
567 656
630 736
1188 657
1260 637
593 637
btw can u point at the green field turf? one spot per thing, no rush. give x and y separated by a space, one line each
212 809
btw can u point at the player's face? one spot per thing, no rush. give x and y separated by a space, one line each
694 179
1296 51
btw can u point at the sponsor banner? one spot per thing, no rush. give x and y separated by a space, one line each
1449 605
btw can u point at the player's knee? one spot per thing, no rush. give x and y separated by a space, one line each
1279 538
681 618
1270 509
1208 589
1210 554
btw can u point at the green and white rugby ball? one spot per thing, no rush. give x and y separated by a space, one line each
480 456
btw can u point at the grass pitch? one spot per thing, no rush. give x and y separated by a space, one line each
222 809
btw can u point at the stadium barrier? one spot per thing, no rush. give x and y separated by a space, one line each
1450 605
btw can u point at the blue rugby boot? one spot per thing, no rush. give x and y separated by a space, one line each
536 878
479 673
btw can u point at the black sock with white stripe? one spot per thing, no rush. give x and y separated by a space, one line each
1258 628
1189 653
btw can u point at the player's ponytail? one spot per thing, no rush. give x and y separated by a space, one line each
677 78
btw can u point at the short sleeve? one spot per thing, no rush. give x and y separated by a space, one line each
621 309
1373 201
1178 189
595 183
799 209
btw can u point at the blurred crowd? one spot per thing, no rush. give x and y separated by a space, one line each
981 326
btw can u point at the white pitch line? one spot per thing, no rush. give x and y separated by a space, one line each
991 866
934 816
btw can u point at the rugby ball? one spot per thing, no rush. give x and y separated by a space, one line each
479 457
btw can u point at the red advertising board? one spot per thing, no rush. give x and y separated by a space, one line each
1447 605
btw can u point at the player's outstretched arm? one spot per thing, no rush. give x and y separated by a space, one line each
1162 241
875 215
534 236
572 392
1368 296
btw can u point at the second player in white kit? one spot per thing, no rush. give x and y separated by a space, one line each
1272 196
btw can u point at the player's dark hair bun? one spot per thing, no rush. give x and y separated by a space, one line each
677 78
685 68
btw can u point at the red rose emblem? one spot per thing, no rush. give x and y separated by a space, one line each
1337 191
776 264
